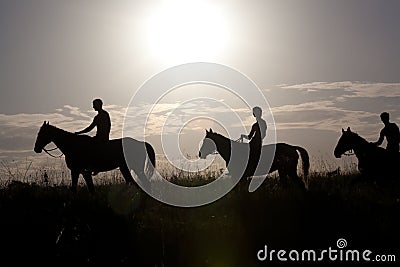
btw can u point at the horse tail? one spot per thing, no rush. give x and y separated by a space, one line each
305 160
152 157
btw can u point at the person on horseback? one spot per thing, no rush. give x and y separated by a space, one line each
101 121
391 132
103 124
258 129
256 136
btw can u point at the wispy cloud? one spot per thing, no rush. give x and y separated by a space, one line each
317 108
323 115
357 104
18 131
352 89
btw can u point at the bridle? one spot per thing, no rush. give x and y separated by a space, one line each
52 149
239 140
350 153
215 152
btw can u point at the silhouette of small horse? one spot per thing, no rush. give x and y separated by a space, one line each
84 155
373 161
284 161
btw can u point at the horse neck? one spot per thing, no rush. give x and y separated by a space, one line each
62 139
223 146
360 145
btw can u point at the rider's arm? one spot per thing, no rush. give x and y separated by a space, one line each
381 137
252 132
87 129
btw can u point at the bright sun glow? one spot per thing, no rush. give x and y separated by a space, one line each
184 31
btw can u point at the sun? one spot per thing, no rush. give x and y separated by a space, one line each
182 31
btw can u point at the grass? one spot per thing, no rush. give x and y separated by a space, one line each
45 223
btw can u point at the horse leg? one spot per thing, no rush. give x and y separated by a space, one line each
130 181
127 174
283 177
243 184
296 179
89 181
139 170
74 177
145 183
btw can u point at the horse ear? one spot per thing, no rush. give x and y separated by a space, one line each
348 129
211 130
44 122
207 131
342 130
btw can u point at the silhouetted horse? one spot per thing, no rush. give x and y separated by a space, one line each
84 155
234 153
372 160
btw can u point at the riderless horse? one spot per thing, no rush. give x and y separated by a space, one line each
373 161
234 153
84 155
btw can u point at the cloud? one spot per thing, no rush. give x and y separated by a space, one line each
75 111
351 89
332 106
323 115
313 114
19 131
319 109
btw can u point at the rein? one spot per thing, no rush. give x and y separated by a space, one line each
52 149
350 153
239 140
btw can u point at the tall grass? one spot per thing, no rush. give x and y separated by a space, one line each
121 225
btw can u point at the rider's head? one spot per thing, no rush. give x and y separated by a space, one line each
257 112
385 117
97 104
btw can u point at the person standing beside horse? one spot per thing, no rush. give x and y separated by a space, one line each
391 132
256 136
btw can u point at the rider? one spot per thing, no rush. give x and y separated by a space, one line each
391 132
101 121
256 136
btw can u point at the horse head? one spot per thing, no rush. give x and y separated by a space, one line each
346 142
208 147
43 137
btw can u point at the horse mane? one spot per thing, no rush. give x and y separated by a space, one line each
222 137
226 141
358 136
219 135
69 134
58 129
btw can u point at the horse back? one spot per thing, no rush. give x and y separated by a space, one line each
114 148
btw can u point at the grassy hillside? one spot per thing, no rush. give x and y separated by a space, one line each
121 225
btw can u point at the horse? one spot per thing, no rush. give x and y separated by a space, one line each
285 159
85 155
373 161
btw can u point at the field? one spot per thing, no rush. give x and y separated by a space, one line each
120 225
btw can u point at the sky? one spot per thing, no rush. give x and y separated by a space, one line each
322 65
